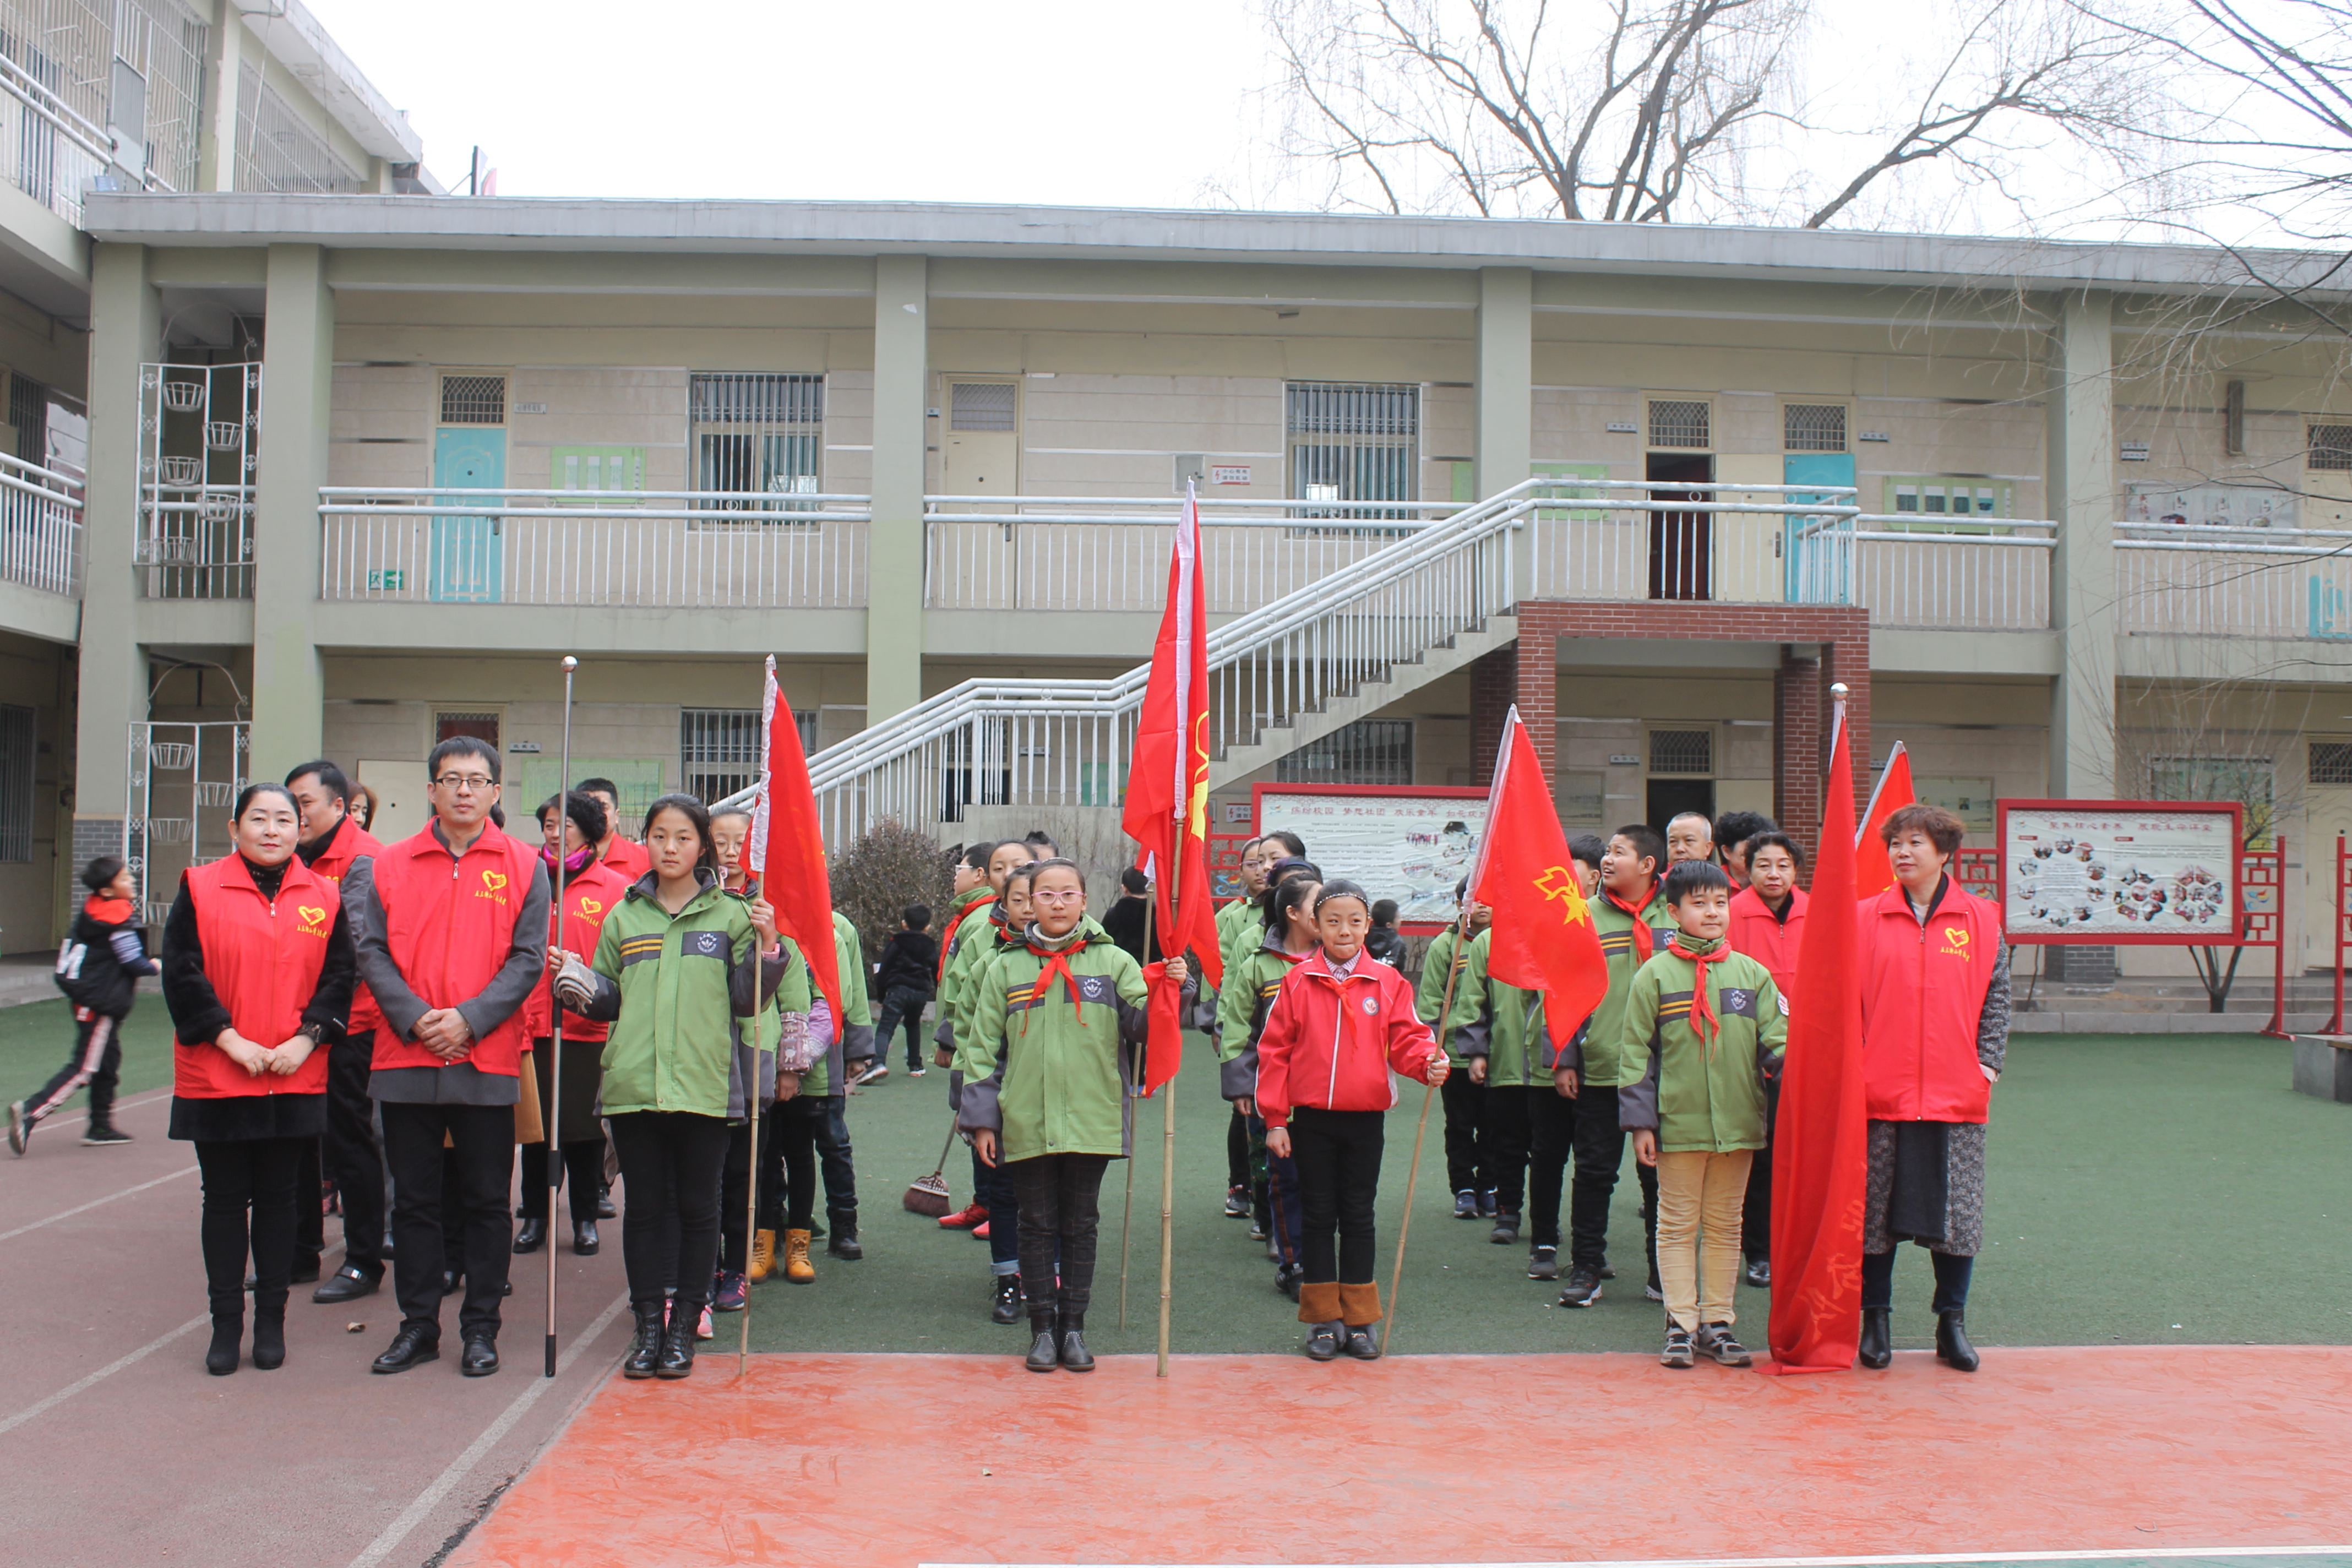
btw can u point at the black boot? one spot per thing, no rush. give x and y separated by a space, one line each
1952 1341
645 1350
1007 1308
1877 1347
531 1235
229 1339
1045 1350
1075 1354
844 1244
269 1334
677 1339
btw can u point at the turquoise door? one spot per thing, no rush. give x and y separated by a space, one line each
1820 564
468 554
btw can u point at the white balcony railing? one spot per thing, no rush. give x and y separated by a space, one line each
40 527
1984 573
642 549
53 154
2234 582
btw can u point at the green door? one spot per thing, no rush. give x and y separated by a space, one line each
1821 564
467 552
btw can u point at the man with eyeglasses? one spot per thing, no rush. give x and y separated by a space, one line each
451 928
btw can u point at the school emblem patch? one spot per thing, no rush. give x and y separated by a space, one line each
1738 1002
1372 1005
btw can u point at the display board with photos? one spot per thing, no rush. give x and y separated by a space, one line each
2122 872
1411 843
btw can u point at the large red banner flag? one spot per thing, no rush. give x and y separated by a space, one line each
1543 937
1167 810
1872 872
1820 1146
785 849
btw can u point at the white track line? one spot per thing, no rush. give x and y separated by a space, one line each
96 1203
69 1390
2130 1555
431 1497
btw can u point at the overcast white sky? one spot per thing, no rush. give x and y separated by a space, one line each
1102 103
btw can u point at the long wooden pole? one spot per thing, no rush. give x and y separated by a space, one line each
1127 1220
1421 1132
754 1109
1167 1092
551 1129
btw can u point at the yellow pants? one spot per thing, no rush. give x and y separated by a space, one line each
1699 1199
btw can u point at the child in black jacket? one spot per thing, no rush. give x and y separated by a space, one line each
98 969
903 980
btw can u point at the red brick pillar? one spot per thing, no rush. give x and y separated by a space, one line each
1537 665
1494 686
1848 659
1798 699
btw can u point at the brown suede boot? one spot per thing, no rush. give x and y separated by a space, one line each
763 1255
1360 1305
1320 1303
798 1269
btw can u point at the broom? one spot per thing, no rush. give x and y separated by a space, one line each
930 1196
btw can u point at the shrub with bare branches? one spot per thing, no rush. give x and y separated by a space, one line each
879 876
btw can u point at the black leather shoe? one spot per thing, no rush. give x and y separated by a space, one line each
1760 1273
451 1281
1007 1308
677 1358
845 1245
348 1283
1045 1354
480 1358
605 1209
531 1235
268 1337
1075 1354
1952 1341
1363 1345
1877 1346
413 1346
584 1239
1323 1339
228 1337
645 1349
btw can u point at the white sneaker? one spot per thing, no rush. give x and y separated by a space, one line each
874 1074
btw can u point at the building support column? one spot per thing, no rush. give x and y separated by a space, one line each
125 332
296 378
217 134
1799 745
2081 500
894 576
1494 688
1506 396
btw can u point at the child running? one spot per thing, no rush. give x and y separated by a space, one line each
1704 1031
1342 1025
99 970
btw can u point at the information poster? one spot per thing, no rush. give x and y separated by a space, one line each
2118 872
1410 845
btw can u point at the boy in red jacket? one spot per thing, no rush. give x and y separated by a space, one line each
1341 1025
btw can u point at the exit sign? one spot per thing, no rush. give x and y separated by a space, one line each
392 581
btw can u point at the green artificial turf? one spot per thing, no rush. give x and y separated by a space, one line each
37 1038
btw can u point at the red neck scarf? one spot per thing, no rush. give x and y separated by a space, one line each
1052 965
1644 940
1703 1021
955 929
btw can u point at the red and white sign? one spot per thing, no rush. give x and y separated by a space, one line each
2122 872
1230 475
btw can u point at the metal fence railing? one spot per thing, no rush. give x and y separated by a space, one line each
40 527
2229 581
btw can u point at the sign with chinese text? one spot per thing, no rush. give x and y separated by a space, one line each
1409 844
2107 872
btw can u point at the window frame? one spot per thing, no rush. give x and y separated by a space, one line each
798 439
1350 448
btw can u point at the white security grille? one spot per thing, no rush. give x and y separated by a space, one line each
761 434
1369 752
2331 762
1676 422
199 430
473 400
1681 750
1352 442
18 744
981 406
276 150
185 778
1814 427
718 748
2330 446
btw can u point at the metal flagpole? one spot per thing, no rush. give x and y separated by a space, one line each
550 1123
1126 1222
1421 1133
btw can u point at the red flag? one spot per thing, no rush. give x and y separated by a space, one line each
1872 873
785 849
1821 1149
1543 937
1167 811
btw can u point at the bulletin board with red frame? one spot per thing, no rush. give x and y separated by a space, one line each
2110 873
1398 841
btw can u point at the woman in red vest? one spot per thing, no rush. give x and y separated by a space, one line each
1934 1031
1767 924
257 969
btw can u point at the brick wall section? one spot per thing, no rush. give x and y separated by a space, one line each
1801 694
1494 686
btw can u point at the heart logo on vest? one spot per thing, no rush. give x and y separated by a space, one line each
591 906
494 881
1957 935
314 920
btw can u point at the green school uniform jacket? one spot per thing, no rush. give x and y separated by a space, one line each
1252 983
970 927
979 966
676 987
784 1029
1497 1021
1702 1096
1429 996
1055 1074
978 941
1603 1061
854 1041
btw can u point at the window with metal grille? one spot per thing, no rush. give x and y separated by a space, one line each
1812 426
2331 761
2246 780
277 148
17 744
480 726
718 750
1681 750
757 435
473 400
1353 442
28 411
980 405
2330 446
1367 752
1678 422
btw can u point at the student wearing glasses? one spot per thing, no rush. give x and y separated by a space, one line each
451 927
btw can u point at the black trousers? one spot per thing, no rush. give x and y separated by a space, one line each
250 1189
430 1210
1599 1155
1551 1126
1467 1152
1756 1218
1952 1275
97 1060
1237 1150
582 1167
1061 1205
902 1008
670 1163
1508 1136
353 1153
1338 1154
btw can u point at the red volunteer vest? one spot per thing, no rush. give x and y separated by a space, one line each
1923 991
1754 932
352 842
589 895
263 958
628 859
450 927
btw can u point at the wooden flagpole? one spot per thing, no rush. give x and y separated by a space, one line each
1421 1132
1127 1221
550 1121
